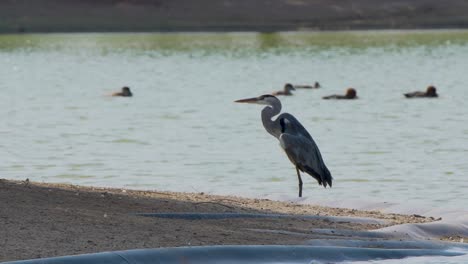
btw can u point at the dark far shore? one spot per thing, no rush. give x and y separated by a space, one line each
23 16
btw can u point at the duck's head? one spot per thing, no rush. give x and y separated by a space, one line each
289 87
351 93
431 90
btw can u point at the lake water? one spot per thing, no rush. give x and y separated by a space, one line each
182 132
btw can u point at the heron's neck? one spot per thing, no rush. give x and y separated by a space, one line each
271 126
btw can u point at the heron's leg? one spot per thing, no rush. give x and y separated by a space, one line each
300 182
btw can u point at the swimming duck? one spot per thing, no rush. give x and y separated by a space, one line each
350 94
125 92
430 92
315 86
287 90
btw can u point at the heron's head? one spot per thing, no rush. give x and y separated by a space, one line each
125 89
431 90
289 87
265 99
350 93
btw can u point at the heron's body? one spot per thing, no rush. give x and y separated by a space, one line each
294 140
307 159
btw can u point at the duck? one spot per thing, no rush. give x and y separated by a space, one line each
125 92
315 86
350 94
286 91
431 92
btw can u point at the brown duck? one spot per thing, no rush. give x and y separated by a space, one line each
350 94
430 92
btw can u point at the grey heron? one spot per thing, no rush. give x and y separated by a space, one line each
294 140
350 94
431 92
286 90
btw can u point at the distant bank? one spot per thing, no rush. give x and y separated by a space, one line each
228 15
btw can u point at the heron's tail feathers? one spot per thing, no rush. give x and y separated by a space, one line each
327 178
323 178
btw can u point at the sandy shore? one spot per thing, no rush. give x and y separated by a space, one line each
44 220
227 15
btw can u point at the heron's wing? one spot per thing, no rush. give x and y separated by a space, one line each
304 153
292 126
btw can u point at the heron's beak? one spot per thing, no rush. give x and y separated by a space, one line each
253 100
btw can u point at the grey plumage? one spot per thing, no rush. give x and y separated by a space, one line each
294 139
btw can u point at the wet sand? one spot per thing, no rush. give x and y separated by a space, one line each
44 220
239 15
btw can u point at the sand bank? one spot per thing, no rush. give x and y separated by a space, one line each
44 220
